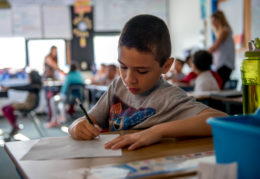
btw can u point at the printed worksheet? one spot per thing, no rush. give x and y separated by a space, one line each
53 148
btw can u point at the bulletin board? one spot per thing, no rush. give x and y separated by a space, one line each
113 14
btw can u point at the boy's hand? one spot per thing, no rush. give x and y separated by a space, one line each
135 140
81 129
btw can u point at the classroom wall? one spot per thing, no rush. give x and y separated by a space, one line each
185 25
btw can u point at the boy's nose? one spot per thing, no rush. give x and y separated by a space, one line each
130 77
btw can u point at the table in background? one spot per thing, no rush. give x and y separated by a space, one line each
3 94
229 101
95 92
45 168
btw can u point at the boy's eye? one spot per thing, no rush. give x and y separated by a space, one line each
142 71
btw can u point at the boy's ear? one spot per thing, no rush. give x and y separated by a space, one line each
167 65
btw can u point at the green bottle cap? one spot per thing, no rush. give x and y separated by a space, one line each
254 48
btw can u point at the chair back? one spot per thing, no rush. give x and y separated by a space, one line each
231 84
76 91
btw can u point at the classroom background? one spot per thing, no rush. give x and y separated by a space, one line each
87 32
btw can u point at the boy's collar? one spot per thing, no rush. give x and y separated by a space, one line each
159 82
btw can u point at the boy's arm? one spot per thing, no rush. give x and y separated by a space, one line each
192 126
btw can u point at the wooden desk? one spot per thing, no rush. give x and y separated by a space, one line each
45 168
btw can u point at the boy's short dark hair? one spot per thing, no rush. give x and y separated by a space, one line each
202 59
147 33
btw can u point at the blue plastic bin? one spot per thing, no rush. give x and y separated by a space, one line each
237 139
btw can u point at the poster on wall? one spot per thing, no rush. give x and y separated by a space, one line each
27 21
82 30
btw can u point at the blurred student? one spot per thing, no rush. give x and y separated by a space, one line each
175 74
141 98
33 88
51 64
189 79
201 64
108 76
57 102
100 73
223 48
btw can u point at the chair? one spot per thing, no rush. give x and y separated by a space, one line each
32 115
76 91
231 84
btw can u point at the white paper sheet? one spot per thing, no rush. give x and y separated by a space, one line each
54 148
217 171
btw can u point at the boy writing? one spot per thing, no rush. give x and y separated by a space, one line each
141 98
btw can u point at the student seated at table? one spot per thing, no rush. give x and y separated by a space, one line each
187 82
140 98
206 79
100 73
108 76
175 74
57 102
33 88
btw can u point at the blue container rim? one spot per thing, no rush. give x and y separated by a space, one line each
223 122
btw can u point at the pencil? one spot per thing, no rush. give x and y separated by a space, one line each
84 111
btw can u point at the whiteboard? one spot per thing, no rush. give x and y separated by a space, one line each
57 22
111 15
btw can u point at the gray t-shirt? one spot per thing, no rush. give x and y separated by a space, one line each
119 109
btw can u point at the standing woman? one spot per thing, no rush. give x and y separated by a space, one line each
51 64
50 69
223 50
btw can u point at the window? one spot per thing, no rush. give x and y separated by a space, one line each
12 52
105 49
38 49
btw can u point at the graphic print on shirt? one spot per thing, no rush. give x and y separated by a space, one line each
123 117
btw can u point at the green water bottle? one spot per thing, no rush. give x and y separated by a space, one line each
250 72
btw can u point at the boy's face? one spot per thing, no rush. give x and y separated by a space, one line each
139 70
